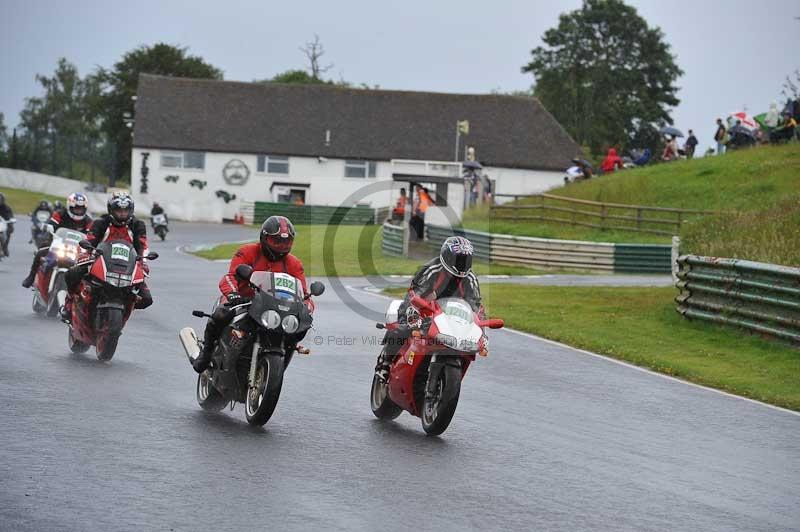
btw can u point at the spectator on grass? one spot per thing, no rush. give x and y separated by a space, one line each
670 149
690 145
719 136
611 161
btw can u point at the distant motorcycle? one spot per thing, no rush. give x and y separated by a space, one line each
159 222
39 233
4 233
50 287
425 377
106 297
257 346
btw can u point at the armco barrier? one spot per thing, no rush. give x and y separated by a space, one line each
392 241
561 254
764 298
316 214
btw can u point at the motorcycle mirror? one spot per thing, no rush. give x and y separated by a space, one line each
152 255
244 271
85 244
200 314
493 323
317 288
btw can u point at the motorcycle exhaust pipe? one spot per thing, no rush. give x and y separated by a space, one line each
190 343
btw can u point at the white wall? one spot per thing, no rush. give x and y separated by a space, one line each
53 185
328 186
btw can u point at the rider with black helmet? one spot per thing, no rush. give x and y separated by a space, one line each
118 224
448 275
270 254
7 214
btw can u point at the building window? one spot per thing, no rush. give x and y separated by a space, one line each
273 164
195 160
360 168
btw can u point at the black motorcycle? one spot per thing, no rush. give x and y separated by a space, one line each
256 347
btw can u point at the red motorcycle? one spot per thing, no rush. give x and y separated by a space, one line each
50 287
425 377
106 297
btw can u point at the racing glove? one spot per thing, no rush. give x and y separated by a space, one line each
234 299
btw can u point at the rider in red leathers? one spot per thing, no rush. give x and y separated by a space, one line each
270 254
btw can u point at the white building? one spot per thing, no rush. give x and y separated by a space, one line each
202 146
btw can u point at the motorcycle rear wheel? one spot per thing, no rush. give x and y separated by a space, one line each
109 337
382 406
437 411
207 396
76 346
260 402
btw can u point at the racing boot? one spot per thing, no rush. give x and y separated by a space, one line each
28 281
203 360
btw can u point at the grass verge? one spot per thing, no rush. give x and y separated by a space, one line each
641 326
356 251
22 202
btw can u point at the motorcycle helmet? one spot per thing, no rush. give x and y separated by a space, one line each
120 208
456 256
57 205
44 205
76 206
277 237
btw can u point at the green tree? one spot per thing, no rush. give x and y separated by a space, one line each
297 76
606 76
118 86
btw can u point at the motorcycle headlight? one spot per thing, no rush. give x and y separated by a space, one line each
270 319
290 323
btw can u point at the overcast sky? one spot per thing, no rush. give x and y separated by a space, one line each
734 53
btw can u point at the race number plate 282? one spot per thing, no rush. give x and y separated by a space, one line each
120 252
285 282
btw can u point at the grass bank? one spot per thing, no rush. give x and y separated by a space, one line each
356 251
641 326
23 202
760 188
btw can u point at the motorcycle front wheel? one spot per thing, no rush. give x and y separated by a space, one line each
110 328
263 397
438 410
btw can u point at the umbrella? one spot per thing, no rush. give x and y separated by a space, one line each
672 131
761 119
743 130
472 165
746 120
584 162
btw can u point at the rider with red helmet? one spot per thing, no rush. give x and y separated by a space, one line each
270 254
75 217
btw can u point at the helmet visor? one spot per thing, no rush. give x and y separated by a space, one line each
120 213
78 210
462 264
280 243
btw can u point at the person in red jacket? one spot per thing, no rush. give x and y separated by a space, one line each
611 161
270 254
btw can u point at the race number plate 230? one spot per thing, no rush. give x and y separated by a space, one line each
120 252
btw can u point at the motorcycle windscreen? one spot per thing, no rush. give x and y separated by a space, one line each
120 257
65 244
280 285
456 324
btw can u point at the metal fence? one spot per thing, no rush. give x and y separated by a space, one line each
316 214
392 240
560 254
764 298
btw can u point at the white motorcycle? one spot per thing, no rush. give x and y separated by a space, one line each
160 228
50 286
4 234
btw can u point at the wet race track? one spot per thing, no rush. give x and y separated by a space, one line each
545 437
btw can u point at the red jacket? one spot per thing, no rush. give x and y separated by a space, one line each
251 254
611 160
